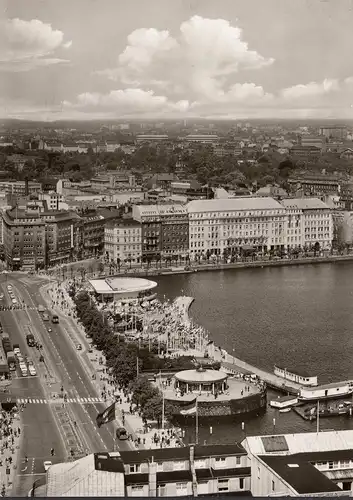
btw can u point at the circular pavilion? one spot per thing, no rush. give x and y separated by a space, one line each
124 288
201 381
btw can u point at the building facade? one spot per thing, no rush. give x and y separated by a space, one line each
123 241
228 225
310 223
174 230
149 217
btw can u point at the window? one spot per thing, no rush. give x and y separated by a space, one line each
237 460
135 468
258 473
161 490
137 490
273 486
223 485
181 489
241 483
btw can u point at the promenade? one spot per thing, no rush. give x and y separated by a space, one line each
93 363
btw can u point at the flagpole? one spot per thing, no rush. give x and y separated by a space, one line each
197 423
318 417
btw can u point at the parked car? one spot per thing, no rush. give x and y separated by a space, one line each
121 433
79 347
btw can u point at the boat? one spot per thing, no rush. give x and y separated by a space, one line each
293 375
335 390
285 410
284 402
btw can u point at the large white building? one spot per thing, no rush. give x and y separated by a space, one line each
303 464
309 222
234 223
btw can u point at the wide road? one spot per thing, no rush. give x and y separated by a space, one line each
40 430
75 380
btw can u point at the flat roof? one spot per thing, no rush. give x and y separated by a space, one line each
229 204
121 285
201 377
302 476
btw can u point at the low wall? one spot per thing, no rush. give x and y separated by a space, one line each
217 408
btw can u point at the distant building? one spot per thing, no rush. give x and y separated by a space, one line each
305 151
272 191
337 132
20 188
148 138
317 142
317 184
202 138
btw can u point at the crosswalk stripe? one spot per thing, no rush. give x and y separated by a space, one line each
70 400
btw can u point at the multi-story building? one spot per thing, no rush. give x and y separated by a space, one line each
24 238
165 230
163 472
310 464
201 138
35 237
149 217
174 230
305 152
90 235
228 225
317 185
52 199
122 240
151 138
338 132
20 188
311 221
317 142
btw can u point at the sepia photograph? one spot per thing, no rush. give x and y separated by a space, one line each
176 248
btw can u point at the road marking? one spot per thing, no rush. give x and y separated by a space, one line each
82 401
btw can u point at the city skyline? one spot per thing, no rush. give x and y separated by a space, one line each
112 60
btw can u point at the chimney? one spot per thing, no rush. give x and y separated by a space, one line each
26 187
152 478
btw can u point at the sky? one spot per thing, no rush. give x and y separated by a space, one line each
176 59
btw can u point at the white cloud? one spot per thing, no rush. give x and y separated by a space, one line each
28 44
199 63
127 102
311 89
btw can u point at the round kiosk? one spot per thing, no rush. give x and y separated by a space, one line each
201 380
211 393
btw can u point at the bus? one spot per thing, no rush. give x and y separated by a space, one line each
55 318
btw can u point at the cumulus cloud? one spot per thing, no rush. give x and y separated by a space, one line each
200 62
28 44
311 89
127 102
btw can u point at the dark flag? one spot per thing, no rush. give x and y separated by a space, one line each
106 416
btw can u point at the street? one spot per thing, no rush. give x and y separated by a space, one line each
49 422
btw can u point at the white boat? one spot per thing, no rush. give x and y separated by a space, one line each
284 402
334 390
285 410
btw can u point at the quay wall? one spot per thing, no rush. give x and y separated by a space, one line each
237 265
254 403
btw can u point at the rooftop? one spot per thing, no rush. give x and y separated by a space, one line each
121 285
302 476
240 203
201 377
305 442
305 203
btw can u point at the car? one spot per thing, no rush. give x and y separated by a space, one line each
47 464
87 336
32 371
30 362
9 287
20 359
16 350
23 366
121 433
24 372
79 347
90 350
50 330
14 301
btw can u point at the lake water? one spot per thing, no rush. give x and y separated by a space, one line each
300 316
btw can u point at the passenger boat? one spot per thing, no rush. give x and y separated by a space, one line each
285 410
335 390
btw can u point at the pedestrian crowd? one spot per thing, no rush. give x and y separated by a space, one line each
10 433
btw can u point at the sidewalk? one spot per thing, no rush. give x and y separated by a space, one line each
57 298
11 436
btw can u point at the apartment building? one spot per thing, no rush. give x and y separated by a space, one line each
303 464
337 132
165 229
123 240
221 225
35 237
20 188
309 223
90 239
163 472
52 199
317 185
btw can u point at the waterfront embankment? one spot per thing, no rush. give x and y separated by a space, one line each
231 364
219 266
